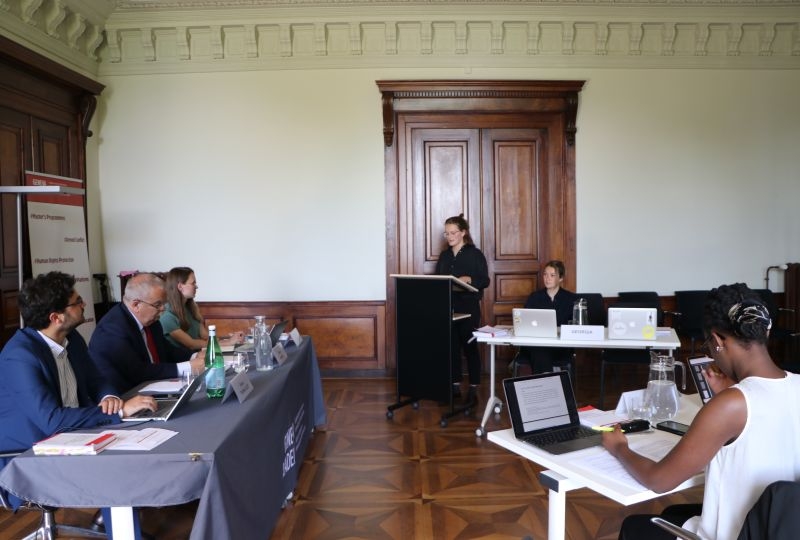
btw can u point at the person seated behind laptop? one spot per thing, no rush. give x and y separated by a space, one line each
746 437
181 321
48 383
128 345
552 296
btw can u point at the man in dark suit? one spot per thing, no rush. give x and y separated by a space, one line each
48 383
128 345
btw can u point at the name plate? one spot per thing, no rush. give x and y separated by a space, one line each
280 354
583 332
240 386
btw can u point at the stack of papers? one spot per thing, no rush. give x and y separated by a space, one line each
73 444
493 331
591 417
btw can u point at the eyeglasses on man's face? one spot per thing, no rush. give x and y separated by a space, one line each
158 306
78 302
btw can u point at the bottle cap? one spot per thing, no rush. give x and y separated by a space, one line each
212 328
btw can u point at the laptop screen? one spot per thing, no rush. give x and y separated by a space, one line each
541 402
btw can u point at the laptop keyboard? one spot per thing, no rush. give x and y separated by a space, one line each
163 409
561 435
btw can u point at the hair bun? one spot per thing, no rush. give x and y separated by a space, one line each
750 319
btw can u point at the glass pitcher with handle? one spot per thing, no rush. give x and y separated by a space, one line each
661 395
580 312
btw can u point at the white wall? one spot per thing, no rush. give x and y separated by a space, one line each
271 184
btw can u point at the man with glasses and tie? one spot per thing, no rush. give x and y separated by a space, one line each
128 345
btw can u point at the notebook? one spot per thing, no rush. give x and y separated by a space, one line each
632 323
535 322
168 407
544 413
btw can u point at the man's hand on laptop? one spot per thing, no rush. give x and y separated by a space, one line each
111 405
138 403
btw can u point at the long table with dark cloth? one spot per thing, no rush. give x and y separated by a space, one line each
241 460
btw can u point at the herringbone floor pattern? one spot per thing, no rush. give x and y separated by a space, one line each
408 478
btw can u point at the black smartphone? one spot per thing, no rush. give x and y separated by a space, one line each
673 427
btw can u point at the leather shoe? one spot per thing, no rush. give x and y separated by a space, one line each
97 523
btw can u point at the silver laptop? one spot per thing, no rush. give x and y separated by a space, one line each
632 323
167 407
535 322
544 413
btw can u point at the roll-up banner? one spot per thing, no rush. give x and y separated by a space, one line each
57 234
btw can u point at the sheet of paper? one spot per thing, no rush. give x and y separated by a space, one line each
167 386
608 466
596 417
141 439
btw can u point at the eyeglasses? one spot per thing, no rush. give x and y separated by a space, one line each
158 306
78 302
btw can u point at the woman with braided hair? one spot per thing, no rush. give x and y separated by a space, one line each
746 437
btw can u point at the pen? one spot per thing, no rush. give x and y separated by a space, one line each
602 428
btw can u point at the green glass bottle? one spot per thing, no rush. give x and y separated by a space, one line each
215 364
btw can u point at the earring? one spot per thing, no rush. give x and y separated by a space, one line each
718 348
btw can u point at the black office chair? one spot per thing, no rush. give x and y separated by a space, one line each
48 528
688 317
629 356
781 333
774 516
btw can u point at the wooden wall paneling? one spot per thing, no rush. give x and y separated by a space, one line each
349 337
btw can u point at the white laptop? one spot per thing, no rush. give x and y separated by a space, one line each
632 323
535 322
168 407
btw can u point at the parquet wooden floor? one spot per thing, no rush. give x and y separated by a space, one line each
408 478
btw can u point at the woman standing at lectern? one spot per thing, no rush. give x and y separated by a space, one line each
466 262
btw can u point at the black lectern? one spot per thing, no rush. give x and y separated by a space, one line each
425 322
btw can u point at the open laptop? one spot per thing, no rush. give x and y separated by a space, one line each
544 413
277 330
534 322
168 407
632 323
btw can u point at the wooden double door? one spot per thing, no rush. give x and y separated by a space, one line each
505 159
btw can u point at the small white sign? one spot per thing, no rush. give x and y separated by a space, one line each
295 336
582 332
280 353
240 385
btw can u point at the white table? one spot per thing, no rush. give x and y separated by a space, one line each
569 471
666 339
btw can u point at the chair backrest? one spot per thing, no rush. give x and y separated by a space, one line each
647 299
595 307
769 301
774 515
690 305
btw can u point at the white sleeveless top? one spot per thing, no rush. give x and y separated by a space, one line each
767 450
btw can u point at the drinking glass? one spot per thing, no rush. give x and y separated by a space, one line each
239 362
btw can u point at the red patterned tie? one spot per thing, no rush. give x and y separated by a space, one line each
151 344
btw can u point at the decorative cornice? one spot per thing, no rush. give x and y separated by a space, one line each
160 5
154 36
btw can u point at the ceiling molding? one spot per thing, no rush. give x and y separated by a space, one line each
101 38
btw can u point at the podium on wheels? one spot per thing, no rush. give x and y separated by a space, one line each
425 339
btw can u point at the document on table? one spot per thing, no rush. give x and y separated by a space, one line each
591 417
167 386
608 466
141 439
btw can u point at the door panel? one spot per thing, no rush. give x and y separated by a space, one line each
14 159
445 182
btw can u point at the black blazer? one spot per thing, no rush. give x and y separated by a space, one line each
120 354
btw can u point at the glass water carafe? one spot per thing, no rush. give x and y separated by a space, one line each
580 312
661 395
